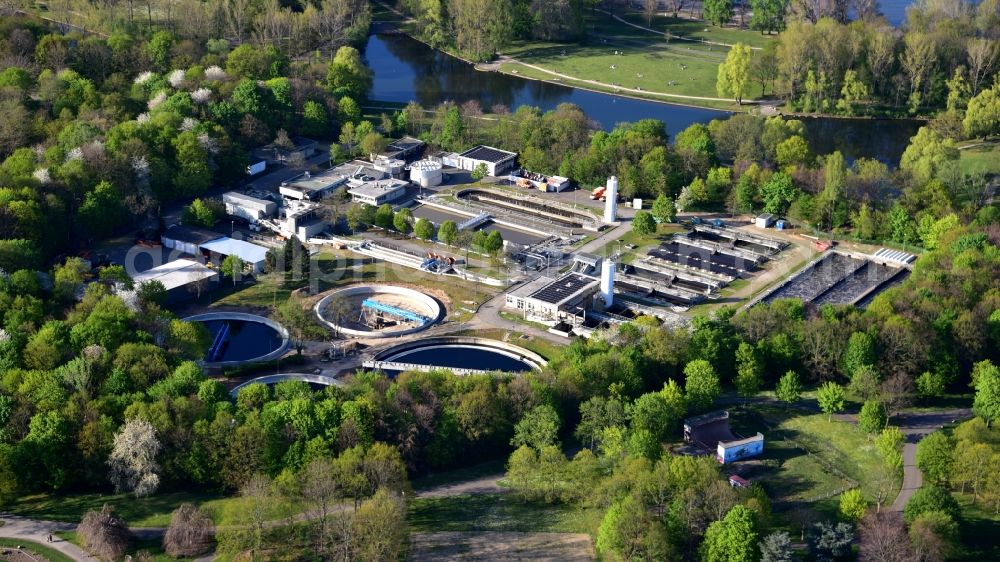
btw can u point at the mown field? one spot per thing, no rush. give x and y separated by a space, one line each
620 56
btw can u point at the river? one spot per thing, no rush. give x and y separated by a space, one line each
406 70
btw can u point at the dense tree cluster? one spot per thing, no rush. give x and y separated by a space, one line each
479 28
946 53
293 27
119 126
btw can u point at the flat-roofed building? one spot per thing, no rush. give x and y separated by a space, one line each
254 257
553 299
247 207
300 148
181 278
302 219
312 187
379 192
497 161
406 148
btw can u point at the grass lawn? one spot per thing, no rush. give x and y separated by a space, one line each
641 243
979 538
982 158
541 346
644 60
809 460
38 549
497 466
700 30
499 512
139 512
512 317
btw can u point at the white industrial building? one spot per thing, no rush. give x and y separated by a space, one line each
301 219
497 161
187 239
253 256
181 278
247 207
553 299
378 192
312 187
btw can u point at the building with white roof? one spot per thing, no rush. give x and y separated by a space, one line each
181 278
312 187
247 207
253 256
378 192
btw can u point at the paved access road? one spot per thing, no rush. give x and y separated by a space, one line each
915 427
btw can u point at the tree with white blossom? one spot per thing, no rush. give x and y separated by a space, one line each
133 459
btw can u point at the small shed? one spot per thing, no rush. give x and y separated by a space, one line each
730 451
764 221
737 481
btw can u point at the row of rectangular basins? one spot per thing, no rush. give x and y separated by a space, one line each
740 244
692 256
836 279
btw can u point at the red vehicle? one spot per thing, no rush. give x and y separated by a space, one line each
598 193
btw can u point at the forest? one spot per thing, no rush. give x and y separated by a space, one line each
101 132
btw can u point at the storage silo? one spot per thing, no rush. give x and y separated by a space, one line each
611 201
425 173
608 282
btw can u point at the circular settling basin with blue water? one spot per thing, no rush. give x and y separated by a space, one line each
241 338
465 355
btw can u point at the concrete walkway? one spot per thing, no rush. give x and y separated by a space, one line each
915 427
16 527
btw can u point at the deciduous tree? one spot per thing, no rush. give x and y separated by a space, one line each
133 459
733 78
830 397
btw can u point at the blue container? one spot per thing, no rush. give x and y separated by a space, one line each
780 225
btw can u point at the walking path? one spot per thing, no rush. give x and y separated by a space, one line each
669 35
16 527
915 427
618 89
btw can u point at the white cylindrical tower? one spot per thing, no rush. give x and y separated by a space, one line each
611 201
608 282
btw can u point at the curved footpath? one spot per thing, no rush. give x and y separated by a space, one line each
915 427
17 527
669 35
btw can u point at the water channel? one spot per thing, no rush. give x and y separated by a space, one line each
407 70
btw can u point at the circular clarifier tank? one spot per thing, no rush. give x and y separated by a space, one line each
458 353
238 338
377 311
